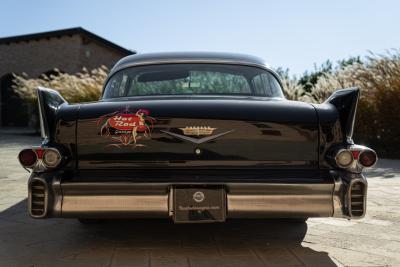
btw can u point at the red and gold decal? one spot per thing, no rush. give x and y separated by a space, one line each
127 127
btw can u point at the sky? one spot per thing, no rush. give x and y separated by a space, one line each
288 34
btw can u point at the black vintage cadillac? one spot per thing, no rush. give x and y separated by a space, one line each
196 137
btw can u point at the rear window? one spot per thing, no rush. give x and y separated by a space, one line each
192 79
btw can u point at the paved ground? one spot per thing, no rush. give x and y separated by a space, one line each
372 241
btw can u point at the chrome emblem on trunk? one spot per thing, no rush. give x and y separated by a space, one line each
196 140
197 130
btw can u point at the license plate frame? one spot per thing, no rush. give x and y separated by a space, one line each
199 204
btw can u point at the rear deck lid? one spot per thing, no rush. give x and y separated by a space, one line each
203 132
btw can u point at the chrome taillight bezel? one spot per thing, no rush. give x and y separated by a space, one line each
355 165
36 156
376 158
40 165
343 150
58 159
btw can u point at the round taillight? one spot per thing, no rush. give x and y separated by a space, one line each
51 158
27 158
344 158
367 158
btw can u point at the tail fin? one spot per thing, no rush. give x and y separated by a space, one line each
49 101
345 101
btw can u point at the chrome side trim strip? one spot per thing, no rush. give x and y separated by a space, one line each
43 123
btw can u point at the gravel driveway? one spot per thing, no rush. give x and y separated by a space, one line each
372 241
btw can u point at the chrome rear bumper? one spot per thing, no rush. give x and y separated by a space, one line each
243 200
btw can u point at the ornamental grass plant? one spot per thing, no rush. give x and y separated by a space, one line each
85 86
378 113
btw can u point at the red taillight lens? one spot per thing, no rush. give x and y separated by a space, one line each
39 153
355 153
367 158
27 157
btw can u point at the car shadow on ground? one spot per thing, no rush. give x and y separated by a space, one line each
66 242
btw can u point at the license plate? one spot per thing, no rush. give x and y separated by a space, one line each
199 204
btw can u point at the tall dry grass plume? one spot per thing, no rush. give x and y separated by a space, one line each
81 87
378 113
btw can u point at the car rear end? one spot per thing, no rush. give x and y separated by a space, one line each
197 158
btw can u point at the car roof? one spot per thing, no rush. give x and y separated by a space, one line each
189 57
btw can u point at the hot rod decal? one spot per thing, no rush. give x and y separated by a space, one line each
127 127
